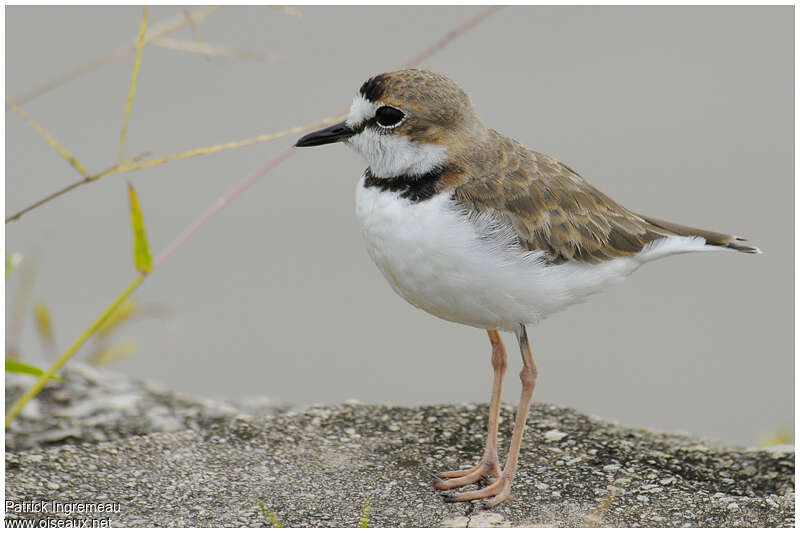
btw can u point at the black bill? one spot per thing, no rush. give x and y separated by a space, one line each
332 134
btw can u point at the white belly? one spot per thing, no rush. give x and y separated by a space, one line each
437 260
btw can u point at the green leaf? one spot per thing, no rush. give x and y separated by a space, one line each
22 368
114 353
11 262
44 323
273 520
782 435
124 313
20 403
141 248
365 511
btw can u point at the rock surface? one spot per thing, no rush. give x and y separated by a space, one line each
213 466
95 405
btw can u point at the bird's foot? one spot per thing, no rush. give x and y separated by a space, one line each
461 478
497 493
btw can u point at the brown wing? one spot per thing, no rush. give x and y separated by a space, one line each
552 208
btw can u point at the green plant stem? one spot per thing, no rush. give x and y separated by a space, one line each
50 372
134 75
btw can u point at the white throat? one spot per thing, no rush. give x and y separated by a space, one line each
389 154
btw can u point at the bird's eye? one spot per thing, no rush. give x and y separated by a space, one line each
388 117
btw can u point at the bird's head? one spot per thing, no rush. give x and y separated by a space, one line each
407 122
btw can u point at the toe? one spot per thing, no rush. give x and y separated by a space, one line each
472 495
498 499
498 492
456 482
458 473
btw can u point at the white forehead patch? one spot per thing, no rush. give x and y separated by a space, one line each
390 156
360 110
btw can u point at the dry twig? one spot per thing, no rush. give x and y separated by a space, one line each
209 50
73 185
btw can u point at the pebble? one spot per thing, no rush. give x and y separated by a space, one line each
459 521
554 435
486 519
32 409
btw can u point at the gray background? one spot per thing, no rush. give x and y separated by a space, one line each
682 113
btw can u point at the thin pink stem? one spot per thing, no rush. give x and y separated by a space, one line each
220 203
452 34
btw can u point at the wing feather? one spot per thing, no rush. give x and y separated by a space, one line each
552 208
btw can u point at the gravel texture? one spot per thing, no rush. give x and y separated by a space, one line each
160 459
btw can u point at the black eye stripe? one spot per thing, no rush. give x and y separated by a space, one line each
387 116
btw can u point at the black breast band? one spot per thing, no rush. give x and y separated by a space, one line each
413 188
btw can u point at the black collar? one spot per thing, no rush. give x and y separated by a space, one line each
413 188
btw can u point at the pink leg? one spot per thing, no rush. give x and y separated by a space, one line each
500 490
489 464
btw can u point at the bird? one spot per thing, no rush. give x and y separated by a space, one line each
475 228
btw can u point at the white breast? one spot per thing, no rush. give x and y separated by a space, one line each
453 267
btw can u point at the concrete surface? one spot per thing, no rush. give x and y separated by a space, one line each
684 113
208 463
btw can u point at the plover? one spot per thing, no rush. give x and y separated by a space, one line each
474 228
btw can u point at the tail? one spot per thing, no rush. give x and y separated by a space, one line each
712 238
